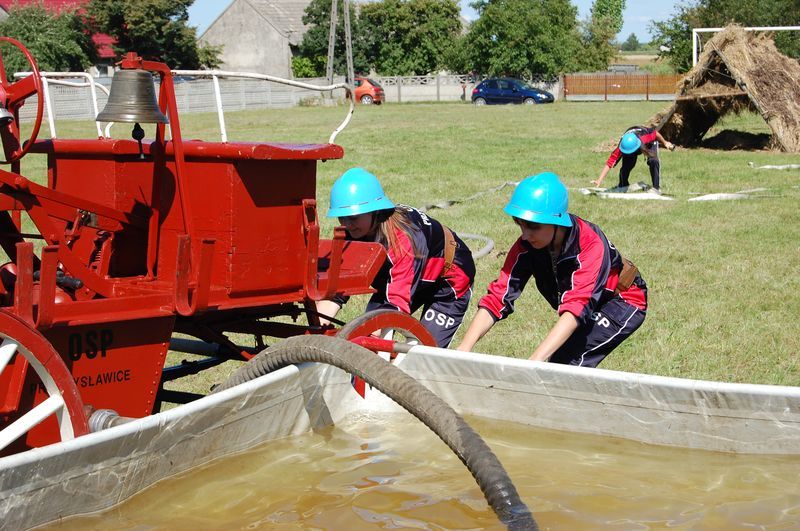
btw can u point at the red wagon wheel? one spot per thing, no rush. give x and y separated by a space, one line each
399 322
385 320
18 338
12 96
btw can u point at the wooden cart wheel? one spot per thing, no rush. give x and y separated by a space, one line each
18 338
12 96
397 321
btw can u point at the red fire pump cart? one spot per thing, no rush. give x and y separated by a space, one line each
143 239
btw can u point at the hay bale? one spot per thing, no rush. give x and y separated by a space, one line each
738 71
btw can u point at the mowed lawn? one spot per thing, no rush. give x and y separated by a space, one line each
723 276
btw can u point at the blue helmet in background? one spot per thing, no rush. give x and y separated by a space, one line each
629 143
540 198
357 191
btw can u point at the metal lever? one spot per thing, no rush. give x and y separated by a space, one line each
63 280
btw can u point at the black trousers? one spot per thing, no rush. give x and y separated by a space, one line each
614 322
629 161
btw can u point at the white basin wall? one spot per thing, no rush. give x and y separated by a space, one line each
740 418
102 469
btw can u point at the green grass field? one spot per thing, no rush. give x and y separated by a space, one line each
724 276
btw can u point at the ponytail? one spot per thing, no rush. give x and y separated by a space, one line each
389 222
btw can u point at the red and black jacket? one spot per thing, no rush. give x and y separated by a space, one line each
582 279
648 137
401 281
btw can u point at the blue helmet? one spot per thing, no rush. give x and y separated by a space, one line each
630 143
357 191
542 199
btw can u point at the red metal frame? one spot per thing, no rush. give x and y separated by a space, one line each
13 95
197 237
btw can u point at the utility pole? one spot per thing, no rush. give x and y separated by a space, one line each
332 41
348 39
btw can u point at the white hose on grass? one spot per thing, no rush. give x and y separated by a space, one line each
483 251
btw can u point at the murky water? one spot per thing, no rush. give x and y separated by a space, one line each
390 472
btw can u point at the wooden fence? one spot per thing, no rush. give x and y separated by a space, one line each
620 86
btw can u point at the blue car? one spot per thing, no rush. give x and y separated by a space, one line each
508 90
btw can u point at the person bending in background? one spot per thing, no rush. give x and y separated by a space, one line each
428 265
636 140
600 297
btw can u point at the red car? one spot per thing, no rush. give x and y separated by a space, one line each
368 91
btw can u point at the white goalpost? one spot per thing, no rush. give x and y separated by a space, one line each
697 45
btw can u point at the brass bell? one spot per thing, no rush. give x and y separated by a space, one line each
132 99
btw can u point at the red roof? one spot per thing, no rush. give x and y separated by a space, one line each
56 5
103 43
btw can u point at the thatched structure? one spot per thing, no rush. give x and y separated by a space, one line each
737 71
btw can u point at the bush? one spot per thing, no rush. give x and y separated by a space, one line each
303 67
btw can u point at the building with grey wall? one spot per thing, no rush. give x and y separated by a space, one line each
258 35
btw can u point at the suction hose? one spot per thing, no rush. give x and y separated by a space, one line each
487 470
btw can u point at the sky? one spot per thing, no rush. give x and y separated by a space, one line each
637 16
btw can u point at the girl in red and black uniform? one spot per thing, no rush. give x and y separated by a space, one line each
637 139
428 266
600 297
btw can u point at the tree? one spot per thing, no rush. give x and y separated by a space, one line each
57 41
523 38
631 44
609 12
155 29
599 47
676 32
456 57
209 55
314 46
409 37
674 36
757 13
